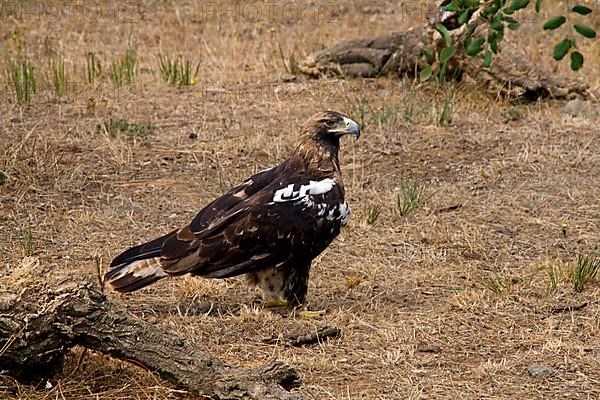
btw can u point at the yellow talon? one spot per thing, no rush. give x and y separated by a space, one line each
275 303
306 314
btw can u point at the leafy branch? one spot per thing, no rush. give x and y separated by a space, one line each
468 15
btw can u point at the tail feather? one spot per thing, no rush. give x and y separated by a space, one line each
142 251
135 275
138 266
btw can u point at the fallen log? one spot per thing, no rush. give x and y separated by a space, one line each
511 75
41 318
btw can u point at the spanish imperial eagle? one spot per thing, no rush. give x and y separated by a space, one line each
270 227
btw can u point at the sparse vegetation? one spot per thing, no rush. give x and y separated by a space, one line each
496 283
357 108
123 70
115 127
27 241
445 115
373 214
385 114
554 273
587 267
21 76
93 68
176 71
289 63
409 198
57 66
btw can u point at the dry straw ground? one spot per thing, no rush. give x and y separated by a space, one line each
455 300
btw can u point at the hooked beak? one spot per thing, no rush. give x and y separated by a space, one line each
349 127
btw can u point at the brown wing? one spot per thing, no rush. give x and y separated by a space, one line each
178 242
256 233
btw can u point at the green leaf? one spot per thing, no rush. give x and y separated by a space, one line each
509 19
472 3
554 23
513 26
576 60
500 36
561 49
426 72
517 5
538 4
492 40
3 178
490 10
464 17
487 59
428 55
583 10
447 53
585 31
497 24
452 6
442 73
475 47
445 34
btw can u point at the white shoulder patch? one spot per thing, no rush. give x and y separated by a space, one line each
313 188
320 187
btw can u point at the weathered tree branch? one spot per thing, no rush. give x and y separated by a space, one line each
510 75
41 320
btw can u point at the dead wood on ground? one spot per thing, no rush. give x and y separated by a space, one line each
42 317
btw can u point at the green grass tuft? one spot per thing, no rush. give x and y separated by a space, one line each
496 283
586 268
93 68
27 241
124 70
373 214
58 76
447 111
554 274
409 198
115 127
21 76
177 71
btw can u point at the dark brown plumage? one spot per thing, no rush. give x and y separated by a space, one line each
269 227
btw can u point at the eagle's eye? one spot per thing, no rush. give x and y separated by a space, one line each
330 124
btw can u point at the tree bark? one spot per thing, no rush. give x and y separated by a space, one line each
41 318
511 74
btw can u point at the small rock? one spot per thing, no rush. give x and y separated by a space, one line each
288 78
574 107
540 371
428 348
580 108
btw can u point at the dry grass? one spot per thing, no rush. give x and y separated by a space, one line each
505 203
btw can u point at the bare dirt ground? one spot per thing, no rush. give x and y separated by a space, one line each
455 300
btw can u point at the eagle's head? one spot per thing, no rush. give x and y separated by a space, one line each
328 127
320 136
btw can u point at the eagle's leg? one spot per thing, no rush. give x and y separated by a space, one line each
295 289
271 281
285 289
